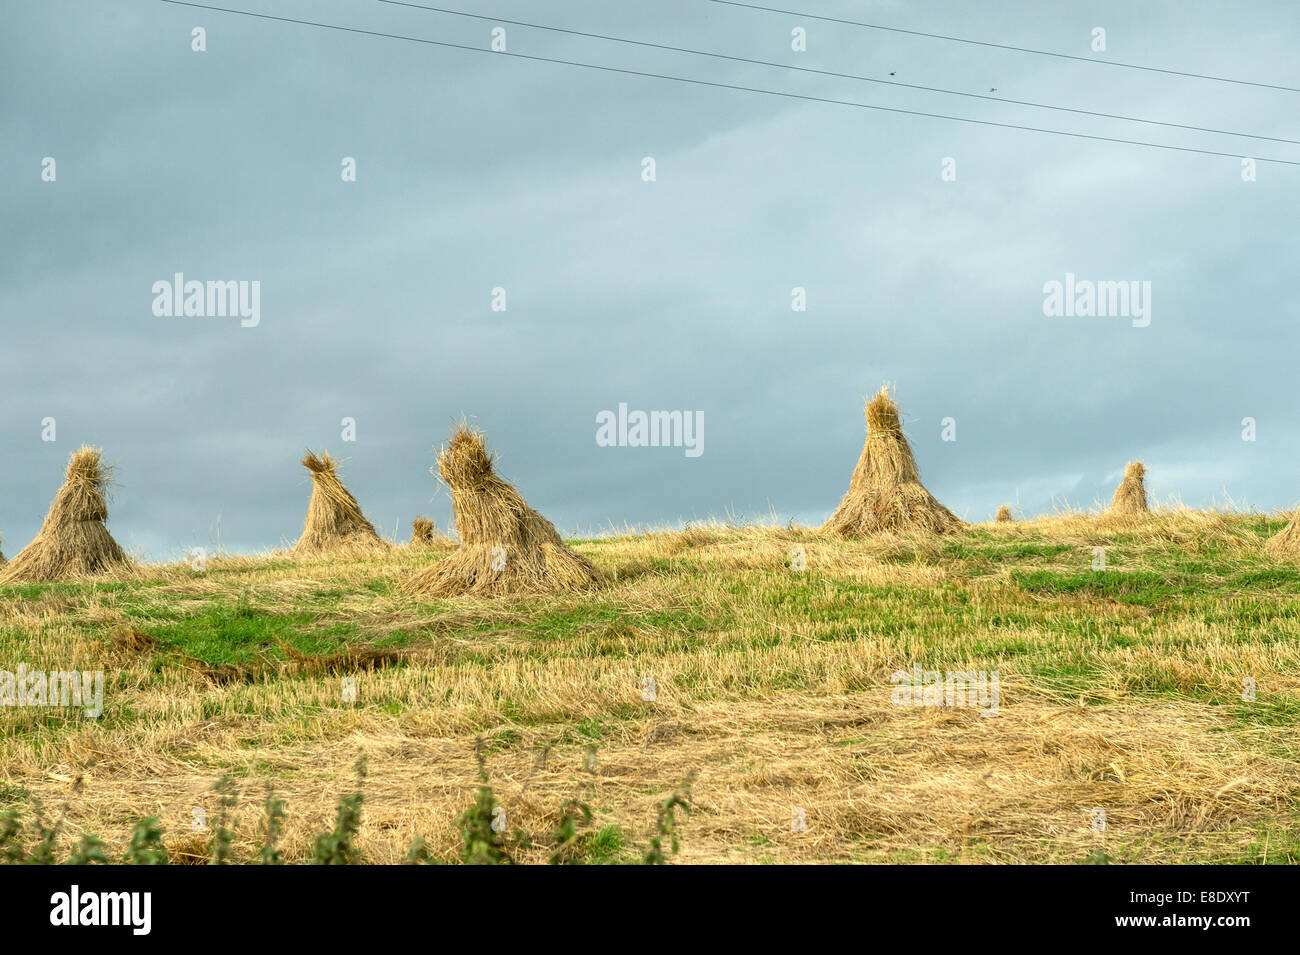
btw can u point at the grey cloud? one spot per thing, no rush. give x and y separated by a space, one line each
477 171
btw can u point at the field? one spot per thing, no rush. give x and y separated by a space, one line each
1120 689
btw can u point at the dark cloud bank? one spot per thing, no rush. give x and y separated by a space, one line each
477 172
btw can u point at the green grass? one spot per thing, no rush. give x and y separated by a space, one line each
1178 618
1137 588
231 633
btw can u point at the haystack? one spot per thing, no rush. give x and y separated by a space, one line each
73 541
2 553
1004 514
505 546
334 518
1131 495
885 493
425 532
1286 542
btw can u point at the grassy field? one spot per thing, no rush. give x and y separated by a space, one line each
1121 689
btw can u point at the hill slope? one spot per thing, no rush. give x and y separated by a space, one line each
1119 689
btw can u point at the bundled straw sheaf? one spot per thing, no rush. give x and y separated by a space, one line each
1286 542
425 532
505 547
885 493
1131 495
1004 514
73 541
334 518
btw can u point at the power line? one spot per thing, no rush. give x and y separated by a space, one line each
1005 46
726 86
844 76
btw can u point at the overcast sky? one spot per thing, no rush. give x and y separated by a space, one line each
478 171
